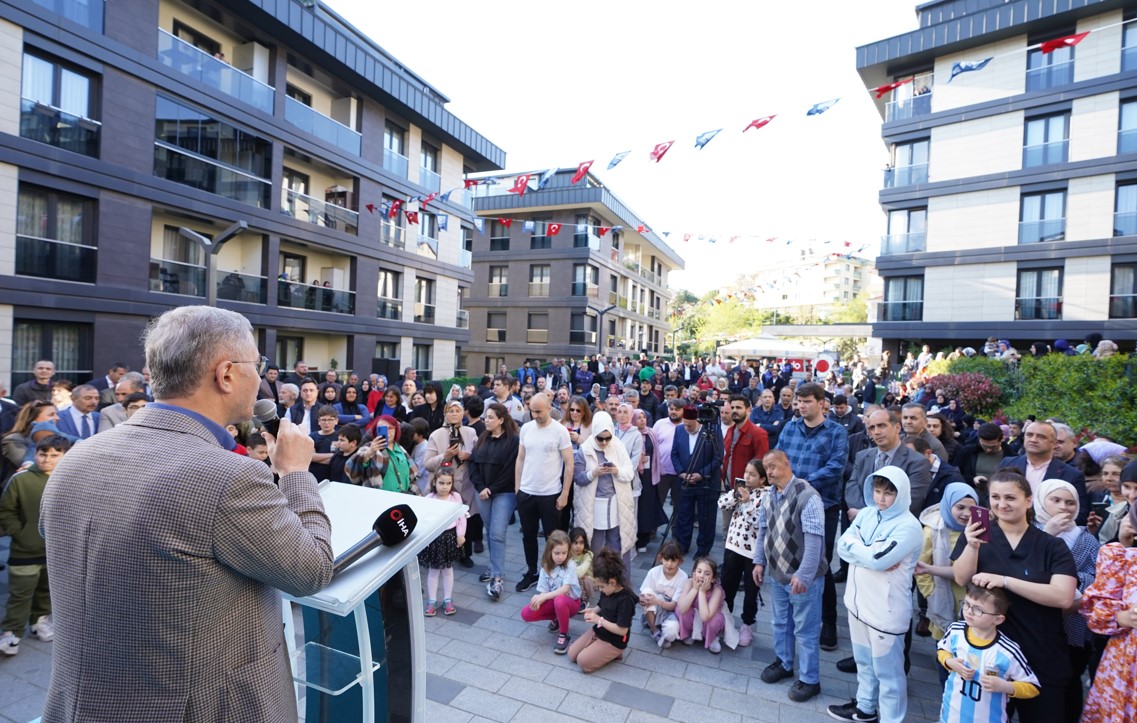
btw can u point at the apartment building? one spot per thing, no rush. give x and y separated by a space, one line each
807 287
1011 198
136 133
569 276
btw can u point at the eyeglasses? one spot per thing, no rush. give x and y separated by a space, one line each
262 364
974 609
604 440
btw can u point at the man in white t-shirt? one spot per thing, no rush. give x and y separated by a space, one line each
543 478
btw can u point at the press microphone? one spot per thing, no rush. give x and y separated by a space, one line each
390 528
265 412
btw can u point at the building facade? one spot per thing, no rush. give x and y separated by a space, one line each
134 131
807 288
1011 198
570 276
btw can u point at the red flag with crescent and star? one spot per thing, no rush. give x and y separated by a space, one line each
521 184
759 122
660 150
553 229
581 171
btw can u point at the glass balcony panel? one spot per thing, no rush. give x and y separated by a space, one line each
613 297
314 298
538 288
463 320
317 124
589 240
464 198
389 309
429 180
498 290
581 288
46 124
172 164
901 311
1125 223
906 175
1033 232
320 213
172 277
235 286
1045 154
1127 141
424 313
1123 306
393 235
395 163
50 259
427 246
1051 76
1128 59
902 243
495 335
910 107
537 336
176 53
1044 308
88 13
582 337
465 259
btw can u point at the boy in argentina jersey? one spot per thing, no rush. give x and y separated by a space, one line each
985 665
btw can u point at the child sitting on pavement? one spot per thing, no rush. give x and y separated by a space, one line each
659 594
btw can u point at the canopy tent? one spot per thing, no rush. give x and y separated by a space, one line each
766 345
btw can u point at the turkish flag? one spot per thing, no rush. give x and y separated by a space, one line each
428 199
881 90
603 230
553 229
394 209
581 171
759 122
507 222
660 151
370 207
470 182
521 184
412 216
1067 42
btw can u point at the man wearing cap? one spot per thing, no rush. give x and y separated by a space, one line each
697 458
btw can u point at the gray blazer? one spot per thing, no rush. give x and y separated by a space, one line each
914 464
111 416
166 552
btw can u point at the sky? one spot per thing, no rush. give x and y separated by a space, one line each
555 84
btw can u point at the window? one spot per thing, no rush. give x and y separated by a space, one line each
289 350
55 235
181 267
427 235
499 281
1042 217
1125 210
1127 130
298 95
466 252
1123 292
389 305
584 234
199 40
422 359
906 231
394 156
424 301
499 236
1129 46
1049 70
541 238
537 330
1046 140
58 105
493 363
539 280
910 165
428 169
913 98
582 329
386 350
495 326
197 150
903 299
1039 294
70 346
585 280
393 231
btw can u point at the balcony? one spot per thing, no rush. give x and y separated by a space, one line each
1033 232
429 180
424 313
395 163
1044 154
317 124
235 286
88 13
48 124
391 309
901 176
580 288
464 198
902 243
50 259
910 107
537 336
173 52
655 314
495 335
463 319
1125 223
1051 76
314 298
427 246
174 164
577 336
589 240
538 288
465 259
173 277
650 275
900 311
392 235
320 213
1123 306
1038 309
1127 141
495 290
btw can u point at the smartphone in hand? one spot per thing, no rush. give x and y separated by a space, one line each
1101 509
982 515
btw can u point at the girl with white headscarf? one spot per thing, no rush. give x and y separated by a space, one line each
602 496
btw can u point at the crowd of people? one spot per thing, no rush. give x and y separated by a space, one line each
1008 543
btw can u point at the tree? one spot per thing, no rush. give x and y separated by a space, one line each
854 311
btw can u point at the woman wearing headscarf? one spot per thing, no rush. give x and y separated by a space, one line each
452 444
649 512
943 524
603 499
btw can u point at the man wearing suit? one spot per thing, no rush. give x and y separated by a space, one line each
884 428
80 419
1039 464
111 379
114 415
699 482
165 574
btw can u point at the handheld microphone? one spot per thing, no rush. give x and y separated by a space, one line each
265 412
390 528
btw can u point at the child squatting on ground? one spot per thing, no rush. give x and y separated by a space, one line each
558 591
659 594
445 550
611 619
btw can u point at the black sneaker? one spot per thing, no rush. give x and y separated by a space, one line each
847 665
479 548
466 563
562 644
527 581
801 692
554 626
776 671
485 576
828 636
850 712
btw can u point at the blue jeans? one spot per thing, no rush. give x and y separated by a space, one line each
804 612
496 512
696 502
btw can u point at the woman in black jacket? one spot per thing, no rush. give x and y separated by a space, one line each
432 411
492 472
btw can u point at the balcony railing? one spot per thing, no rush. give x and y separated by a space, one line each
1051 76
47 258
1033 232
173 277
1044 154
465 259
582 240
1127 141
653 313
1125 223
427 246
901 176
495 335
577 336
900 311
235 286
495 290
214 73
463 198
88 13
395 163
314 298
463 319
902 243
649 275
393 235
429 180
1044 308
424 313
317 124
1123 306
538 288
48 124
391 309
613 298
321 213
580 288
910 107
174 164
537 336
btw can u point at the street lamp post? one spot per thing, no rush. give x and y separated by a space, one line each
211 248
600 326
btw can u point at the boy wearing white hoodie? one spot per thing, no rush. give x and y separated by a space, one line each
881 547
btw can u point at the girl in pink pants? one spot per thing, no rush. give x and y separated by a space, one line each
702 596
558 591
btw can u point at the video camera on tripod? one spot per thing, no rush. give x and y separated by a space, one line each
709 411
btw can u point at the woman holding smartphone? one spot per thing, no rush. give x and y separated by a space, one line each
381 462
602 498
1039 576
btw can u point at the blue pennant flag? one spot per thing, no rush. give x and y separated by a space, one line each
581 228
528 227
705 138
546 177
819 108
968 66
491 181
617 158
480 224
617 228
443 222
445 198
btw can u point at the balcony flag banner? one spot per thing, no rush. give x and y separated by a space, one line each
617 158
445 197
412 216
705 138
480 224
1067 42
582 228
546 177
529 227
521 184
581 172
470 182
967 66
553 229
443 223
882 89
660 150
819 108
507 222
370 207
394 209
603 231
759 122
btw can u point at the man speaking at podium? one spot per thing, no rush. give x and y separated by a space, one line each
166 550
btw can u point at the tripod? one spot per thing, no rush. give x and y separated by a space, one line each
705 437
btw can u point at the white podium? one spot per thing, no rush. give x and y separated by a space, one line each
366 627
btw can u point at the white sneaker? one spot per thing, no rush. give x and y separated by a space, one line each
43 629
9 643
716 646
744 636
